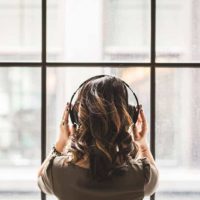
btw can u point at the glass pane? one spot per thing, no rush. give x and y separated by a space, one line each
178 31
99 30
20 37
178 133
20 111
62 83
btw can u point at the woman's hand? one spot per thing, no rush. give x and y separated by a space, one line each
140 131
65 130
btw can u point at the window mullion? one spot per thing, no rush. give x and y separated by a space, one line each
152 81
43 86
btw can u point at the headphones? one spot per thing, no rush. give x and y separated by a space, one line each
133 112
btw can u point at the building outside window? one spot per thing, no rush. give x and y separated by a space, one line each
95 32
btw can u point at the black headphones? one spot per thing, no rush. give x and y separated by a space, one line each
133 112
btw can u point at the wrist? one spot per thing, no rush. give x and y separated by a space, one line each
143 147
59 145
58 153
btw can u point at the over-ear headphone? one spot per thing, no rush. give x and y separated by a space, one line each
132 110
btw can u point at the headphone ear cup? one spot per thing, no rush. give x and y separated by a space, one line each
133 113
74 115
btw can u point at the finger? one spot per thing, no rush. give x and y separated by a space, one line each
66 113
139 119
135 132
142 115
144 121
73 129
138 107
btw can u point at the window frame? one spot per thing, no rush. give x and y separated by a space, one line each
152 65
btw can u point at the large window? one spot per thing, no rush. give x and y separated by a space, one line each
47 48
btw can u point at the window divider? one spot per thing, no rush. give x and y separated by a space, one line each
152 65
152 81
43 84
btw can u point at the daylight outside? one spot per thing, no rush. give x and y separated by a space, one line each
99 31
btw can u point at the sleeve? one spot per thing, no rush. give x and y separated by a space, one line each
151 175
45 180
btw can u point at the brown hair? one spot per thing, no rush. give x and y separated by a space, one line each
102 106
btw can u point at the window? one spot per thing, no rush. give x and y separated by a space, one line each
49 47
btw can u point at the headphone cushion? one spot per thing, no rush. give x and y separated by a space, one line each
74 115
133 113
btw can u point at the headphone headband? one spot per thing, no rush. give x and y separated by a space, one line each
96 77
84 82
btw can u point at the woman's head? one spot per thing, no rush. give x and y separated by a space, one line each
102 106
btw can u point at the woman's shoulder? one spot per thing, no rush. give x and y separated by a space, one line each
52 171
148 169
61 161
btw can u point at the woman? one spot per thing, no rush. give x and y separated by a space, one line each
107 156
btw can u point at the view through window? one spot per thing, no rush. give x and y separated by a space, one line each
90 37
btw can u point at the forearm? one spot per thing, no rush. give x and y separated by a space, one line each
144 151
43 164
59 145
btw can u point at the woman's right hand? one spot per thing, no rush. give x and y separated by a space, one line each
140 131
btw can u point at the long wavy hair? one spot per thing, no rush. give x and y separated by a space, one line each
103 134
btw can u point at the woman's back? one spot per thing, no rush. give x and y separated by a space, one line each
68 181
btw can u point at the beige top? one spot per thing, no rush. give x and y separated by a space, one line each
68 181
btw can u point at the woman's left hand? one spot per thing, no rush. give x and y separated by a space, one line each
140 130
65 130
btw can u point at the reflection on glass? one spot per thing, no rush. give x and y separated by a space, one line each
62 83
178 31
20 111
20 35
99 30
178 133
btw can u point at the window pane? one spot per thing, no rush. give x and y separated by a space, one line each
20 37
178 31
20 111
178 133
99 30
62 83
